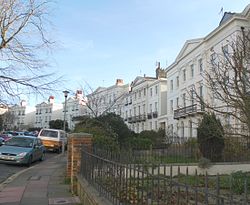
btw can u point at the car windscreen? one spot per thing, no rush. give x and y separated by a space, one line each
20 142
49 133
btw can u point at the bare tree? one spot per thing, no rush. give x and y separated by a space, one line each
8 120
97 103
23 48
228 79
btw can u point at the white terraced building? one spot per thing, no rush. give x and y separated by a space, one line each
75 107
47 111
145 105
107 100
186 73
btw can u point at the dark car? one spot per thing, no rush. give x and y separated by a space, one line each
1 141
22 150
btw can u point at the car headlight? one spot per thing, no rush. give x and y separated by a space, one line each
22 154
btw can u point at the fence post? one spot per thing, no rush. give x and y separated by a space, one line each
245 191
217 189
206 188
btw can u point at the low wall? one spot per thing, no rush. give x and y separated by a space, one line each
88 195
214 169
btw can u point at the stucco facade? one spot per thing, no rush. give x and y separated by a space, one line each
186 74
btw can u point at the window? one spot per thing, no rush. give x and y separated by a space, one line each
190 128
192 96
177 81
144 108
156 89
201 98
135 95
184 99
139 109
134 111
201 91
171 106
139 93
182 129
171 128
213 59
156 106
200 63
184 75
177 102
144 91
192 70
225 51
171 85
156 125
151 92
150 108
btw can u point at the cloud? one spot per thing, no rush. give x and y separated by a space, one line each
76 44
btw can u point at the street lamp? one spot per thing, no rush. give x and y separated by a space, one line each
64 119
65 102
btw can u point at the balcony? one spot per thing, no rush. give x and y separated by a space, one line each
155 114
142 117
150 115
188 111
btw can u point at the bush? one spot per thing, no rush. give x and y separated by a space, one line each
238 182
235 150
210 136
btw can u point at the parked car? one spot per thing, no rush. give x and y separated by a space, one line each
22 150
6 137
1 141
53 139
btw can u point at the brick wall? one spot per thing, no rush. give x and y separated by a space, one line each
75 142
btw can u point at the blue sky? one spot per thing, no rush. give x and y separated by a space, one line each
102 40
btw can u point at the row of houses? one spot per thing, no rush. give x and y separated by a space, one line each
167 100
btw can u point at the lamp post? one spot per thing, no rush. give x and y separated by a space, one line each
64 118
65 102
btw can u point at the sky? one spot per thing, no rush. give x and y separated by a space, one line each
100 41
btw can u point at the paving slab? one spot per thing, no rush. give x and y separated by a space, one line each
42 184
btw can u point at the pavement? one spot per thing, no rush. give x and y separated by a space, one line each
42 184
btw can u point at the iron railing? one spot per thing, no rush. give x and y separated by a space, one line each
158 184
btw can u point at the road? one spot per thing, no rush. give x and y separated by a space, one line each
7 170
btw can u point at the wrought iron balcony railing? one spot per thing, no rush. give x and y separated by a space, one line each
188 110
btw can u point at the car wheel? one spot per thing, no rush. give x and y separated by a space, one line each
59 150
29 161
42 157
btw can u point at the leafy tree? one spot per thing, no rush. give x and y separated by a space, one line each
116 125
101 136
210 135
154 138
58 124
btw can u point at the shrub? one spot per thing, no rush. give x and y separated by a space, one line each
210 137
238 182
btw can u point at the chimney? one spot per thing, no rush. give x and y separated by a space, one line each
51 99
119 82
79 94
160 72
